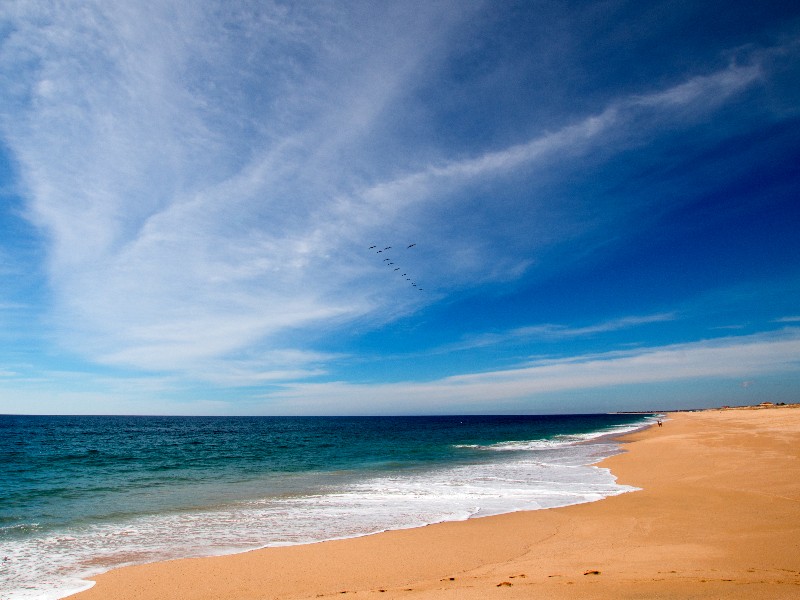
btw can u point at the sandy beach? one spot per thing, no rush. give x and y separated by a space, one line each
717 516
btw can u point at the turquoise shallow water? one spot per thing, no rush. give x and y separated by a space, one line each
80 495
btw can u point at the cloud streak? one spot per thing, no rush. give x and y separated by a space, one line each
193 216
563 332
731 358
554 332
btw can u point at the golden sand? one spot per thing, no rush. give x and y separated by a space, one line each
718 516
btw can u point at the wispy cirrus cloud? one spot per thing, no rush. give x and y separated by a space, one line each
182 217
730 358
208 185
562 331
554 332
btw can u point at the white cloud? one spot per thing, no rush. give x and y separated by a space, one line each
562 332
702 91
554 332
727 358
196 185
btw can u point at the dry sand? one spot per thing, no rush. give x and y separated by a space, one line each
718 516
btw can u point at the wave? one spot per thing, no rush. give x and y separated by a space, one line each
51 562
560 441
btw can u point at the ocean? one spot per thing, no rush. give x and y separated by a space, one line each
80 495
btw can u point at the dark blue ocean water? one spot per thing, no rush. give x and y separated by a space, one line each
79 495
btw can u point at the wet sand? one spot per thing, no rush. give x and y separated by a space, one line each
718 516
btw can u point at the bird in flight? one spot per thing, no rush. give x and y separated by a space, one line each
389 262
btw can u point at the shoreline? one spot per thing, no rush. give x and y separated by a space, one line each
504 466
681 535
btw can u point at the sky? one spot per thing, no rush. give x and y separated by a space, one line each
411 207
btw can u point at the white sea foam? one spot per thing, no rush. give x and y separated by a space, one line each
529 475
559 441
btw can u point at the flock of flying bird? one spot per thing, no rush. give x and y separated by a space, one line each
390 263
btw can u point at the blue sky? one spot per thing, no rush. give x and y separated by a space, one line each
603 198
